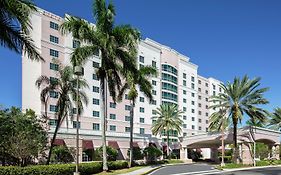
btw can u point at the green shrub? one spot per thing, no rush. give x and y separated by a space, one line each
174 161
234 165
62 169
137 153
152 153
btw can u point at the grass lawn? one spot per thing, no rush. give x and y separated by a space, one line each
122 171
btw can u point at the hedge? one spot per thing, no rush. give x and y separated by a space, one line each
61 169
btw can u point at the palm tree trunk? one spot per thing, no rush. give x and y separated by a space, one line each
168 150
52 143
235 121
131 132
103 121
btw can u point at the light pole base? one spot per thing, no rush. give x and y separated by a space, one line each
76 173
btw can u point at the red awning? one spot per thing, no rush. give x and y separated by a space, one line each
113 144
87 144
135 144
59 142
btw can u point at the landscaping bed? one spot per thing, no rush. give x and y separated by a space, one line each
258 163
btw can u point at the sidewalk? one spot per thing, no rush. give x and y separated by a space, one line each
144 170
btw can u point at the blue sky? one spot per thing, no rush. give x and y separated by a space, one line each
225 38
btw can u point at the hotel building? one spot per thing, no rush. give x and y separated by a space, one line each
177 82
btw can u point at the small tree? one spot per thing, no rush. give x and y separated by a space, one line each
137 153
111 153
61 154
152 153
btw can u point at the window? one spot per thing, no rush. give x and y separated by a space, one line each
214 87
154 64
184 117
96 114
53 122
214 93
169 87
54 25
96 64
75 124
153 102
206 92
192 79
184 82
112 105
192 102
141 130
184 134
54 53
141 99
96 101
199 81
184 100
192 94
199 104
207 114
207 121
95 77
206 84
199 112
141 65
126 97
184 125
199 97
170 69
184 92
54 66
127 107
199 89
192 111
141 109
192 119
154 112
220 89
127 129
112 116
184 75
112 127
75 44
206 129
74 111
141 59
206 99
96 89
199 120
54 94
207 107
200 128
192 86
53 108
141 120
54 39
170 96
184 109
153 92
96 126
153 83
193 127
169 78
127 118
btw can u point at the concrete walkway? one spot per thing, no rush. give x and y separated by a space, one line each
143 170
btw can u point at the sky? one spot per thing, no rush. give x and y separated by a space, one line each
226 38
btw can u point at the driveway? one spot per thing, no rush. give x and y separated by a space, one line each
185 169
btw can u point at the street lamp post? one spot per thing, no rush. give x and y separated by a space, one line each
222 147
78 71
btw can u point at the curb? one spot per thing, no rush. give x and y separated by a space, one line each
249 168
162 166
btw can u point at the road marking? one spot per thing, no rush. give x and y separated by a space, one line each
199 172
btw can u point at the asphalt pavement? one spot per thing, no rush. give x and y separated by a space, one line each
202 169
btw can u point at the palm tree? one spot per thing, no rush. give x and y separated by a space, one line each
15 26
167 120
65 86
238 98
132 80
255 122
275 120
117 46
